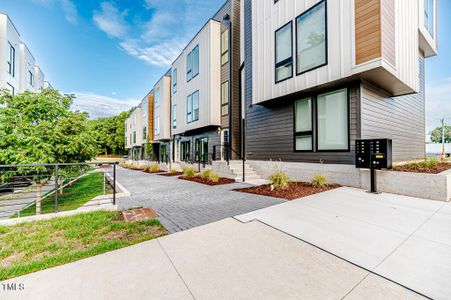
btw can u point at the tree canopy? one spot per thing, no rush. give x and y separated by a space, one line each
109 134
436 135
41 128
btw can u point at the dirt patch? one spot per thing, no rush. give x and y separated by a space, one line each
295 190
171 174
199 179
417 168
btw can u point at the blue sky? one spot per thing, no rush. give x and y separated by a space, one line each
110 53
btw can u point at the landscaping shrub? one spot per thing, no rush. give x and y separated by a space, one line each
210 175
279 180
189 172
154 168
173 171
319 181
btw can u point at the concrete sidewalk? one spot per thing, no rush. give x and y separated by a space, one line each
405 239
223 260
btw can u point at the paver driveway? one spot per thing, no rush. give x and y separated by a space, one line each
182 204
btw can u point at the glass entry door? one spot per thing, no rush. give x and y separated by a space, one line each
185 149
163 153
202 149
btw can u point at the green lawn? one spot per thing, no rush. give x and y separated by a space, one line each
30 247
74 196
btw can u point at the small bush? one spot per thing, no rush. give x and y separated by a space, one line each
209 175
173 171
189 172
279 180
319 181
154 168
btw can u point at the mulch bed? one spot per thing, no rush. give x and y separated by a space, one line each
157 172
171 174
138 214
294 191
199 179
442 167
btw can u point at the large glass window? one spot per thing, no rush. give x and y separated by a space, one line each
332 119
192 63
284 52
11 64
157 97
145 133
429 16
311 49
174 81
224 47
303 125
157 126
189 109
225 98
174 116
196 106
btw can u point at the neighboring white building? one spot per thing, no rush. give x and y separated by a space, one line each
20 72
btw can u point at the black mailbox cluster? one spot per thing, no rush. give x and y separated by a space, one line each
373 154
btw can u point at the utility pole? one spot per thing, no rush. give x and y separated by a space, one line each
443 139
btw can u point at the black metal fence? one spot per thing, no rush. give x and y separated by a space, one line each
33 189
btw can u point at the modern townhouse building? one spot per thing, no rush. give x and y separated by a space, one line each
20 72
134 134
161 143
205 91
317 75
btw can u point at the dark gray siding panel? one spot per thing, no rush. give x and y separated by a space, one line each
214 139
400 118
270 133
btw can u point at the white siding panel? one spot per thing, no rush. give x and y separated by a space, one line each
163 111
207 82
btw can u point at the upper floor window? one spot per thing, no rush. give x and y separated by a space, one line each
192 64
311 37
11 64
429 16
134 137
10 88
157 126
144 133
174 116
284 52
30 78
224 47
174 81
157 97
225 98
192 107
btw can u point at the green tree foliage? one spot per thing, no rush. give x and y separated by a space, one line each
41 128
109 134
436 134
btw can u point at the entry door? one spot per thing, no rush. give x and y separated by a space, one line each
185 149
202 149
163 153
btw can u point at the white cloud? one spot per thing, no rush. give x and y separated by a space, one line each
158 39
68 7
111 21
98 106
438 103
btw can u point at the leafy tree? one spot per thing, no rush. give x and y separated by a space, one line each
109 134
40 128
436 135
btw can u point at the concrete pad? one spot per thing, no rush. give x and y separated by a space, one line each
357 241
139 272
446 209
375 287
421 264
232 260
437 229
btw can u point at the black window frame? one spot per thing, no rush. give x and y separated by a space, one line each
174 81
314 97
30 78
226 52
11 60
174 116
308 132
326 37
225 104
190 75
190 109
286 61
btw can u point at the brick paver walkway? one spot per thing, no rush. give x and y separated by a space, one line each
182 204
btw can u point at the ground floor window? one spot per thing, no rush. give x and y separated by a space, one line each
185 150
323 119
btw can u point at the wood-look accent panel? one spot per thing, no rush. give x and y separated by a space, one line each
150 116
368 30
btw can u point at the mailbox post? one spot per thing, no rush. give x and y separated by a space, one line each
373 154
